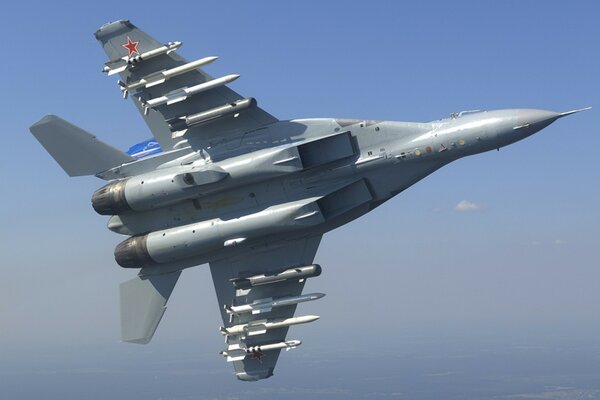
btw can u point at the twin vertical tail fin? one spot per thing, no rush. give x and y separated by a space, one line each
78 152
143 303
144 298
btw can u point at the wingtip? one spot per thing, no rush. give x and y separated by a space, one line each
44 120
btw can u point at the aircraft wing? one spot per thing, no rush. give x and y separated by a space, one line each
167 89
262 262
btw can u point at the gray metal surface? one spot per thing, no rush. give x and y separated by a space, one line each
114 35
75 150
263 259
246 193
143 303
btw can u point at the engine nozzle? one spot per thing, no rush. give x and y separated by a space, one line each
133 253
110 199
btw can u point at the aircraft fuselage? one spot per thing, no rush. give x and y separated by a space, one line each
293 179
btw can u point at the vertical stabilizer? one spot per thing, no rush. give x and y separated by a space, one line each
143 303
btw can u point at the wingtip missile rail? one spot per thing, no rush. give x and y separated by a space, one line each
124 63
183 93
235 352
160 77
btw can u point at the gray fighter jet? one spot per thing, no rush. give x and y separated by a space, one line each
224 182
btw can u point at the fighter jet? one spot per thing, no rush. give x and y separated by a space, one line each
226 183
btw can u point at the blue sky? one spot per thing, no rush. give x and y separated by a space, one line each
522 259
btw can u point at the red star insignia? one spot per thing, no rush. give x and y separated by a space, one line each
131 47
258 355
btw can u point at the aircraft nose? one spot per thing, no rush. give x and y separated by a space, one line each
530 121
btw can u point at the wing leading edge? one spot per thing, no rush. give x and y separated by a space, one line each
258 294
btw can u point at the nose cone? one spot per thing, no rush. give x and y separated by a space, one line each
530 121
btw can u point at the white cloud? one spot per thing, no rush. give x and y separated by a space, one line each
465 205
559 242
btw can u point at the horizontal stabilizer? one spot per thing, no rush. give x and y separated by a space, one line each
78 152
143 303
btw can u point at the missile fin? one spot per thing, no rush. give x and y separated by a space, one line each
261 310
156 82
117 70
236 358
178 134
258 329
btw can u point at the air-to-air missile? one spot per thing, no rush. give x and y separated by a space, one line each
162 76
300 272
236 352
183 93
259 327
266 305
179 126
124 63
